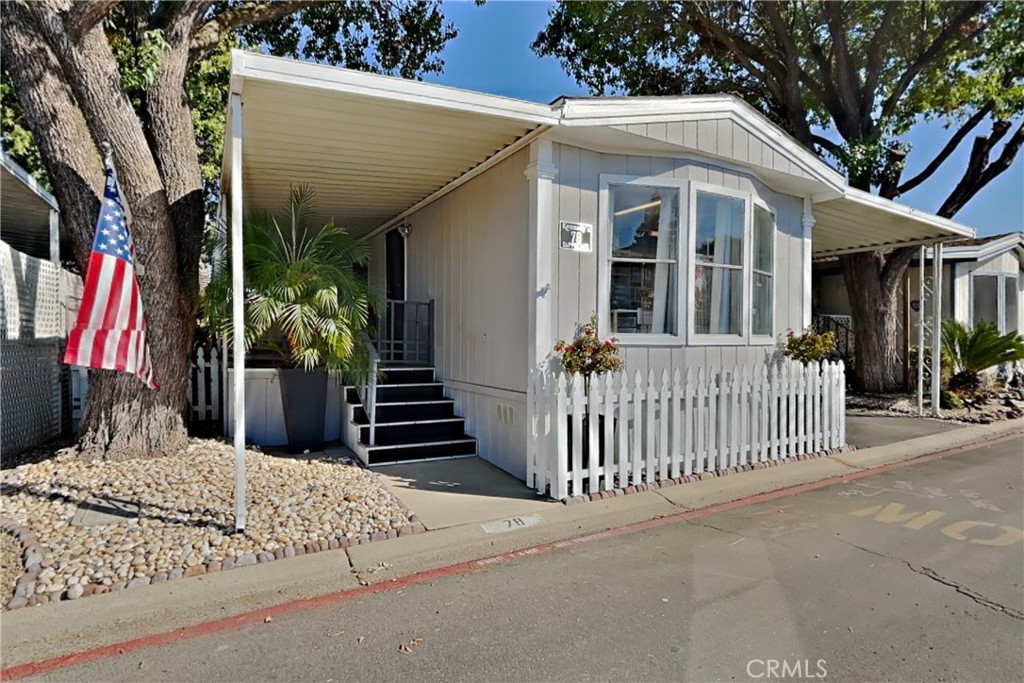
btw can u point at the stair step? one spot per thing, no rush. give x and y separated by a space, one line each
408 410
406 375
382 455
418 391
392 434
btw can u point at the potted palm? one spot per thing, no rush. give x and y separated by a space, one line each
306 301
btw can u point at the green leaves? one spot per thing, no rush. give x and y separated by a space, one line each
302 288
976 349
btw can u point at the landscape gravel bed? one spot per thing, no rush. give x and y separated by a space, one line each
11 567
184 523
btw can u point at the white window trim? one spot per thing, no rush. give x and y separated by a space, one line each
745 338
604 255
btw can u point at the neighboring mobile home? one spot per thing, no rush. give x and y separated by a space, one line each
32 312
688 224
982 281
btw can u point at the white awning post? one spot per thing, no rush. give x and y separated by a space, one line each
238 308
936 328
920 330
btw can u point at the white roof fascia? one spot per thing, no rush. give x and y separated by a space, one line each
247 65
28 181
982 252
627 110
899 210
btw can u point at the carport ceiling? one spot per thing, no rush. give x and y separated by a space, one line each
368 158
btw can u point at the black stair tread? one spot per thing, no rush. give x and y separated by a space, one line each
413 403
410 384
403 423
420 444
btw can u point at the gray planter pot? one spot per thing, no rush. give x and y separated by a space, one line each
304 398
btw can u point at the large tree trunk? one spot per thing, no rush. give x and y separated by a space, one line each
69 88
873 286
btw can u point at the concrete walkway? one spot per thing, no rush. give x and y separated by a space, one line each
869 431
64 628
445 493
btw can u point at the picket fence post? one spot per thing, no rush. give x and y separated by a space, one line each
608 438
623 449
677 425
560 430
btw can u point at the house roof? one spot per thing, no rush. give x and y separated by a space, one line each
983 248
24 210
378 148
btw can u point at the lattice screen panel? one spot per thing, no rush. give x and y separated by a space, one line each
29 393
30 301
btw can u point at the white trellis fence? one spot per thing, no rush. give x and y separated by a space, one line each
684 424
204 388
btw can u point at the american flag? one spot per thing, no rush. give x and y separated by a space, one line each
111 329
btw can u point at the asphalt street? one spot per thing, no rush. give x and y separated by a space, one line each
909 575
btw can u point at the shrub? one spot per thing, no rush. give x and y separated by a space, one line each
588 355
974 350
809 347
950 400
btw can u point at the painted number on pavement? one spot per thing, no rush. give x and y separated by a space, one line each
511 524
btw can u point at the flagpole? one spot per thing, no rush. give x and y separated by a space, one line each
238 306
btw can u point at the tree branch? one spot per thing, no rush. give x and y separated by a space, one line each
895 265
209 35
969 11
84 14
873 71
833 148
846 72
979 173
950 146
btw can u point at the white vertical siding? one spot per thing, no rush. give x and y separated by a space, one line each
723 138
468 252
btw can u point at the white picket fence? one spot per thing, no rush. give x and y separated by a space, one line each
650 430
204 388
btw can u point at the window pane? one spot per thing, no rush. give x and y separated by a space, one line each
1011 303
762 312
718 300
764 238
719 229
986 299
643 298
645 221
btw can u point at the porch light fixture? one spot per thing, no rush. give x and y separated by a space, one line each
640 207
404 229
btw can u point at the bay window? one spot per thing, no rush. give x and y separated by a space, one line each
718 269
763 287
685 261
644 266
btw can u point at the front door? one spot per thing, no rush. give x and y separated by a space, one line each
393 346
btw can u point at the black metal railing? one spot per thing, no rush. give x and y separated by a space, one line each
842 327
405 333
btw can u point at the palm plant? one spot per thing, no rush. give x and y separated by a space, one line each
302 286
974 350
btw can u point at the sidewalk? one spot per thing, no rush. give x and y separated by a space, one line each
70 627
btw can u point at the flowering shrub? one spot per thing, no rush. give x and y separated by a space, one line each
809 347
588 355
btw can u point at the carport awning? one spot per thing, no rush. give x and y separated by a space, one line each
371 146
25 208
859 221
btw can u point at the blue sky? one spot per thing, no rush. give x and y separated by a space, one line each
492 54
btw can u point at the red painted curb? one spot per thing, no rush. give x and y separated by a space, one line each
258 616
